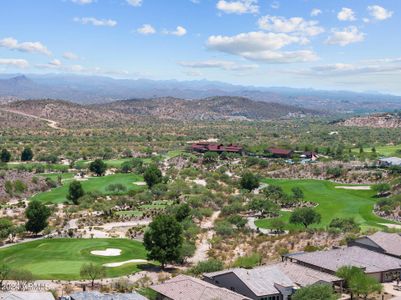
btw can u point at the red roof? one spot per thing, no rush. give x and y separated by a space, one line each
216 147
279 151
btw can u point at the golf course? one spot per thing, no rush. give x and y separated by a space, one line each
333 202
63 258
92 184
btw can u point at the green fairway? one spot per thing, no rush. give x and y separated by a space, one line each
111 163
332 203
388 150
63 258
58 195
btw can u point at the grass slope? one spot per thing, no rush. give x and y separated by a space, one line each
63 258
333 203
387 150
58 195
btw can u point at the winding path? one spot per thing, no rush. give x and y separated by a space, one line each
50 123
204 243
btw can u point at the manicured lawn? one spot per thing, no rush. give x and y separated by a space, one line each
111 163
384 150
58 195
63 258
333 203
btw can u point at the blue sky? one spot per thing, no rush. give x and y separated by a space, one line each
351 45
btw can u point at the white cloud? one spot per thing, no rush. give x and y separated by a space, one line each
238 7
218 64
179 31
261 46
55 62
346 14
315 12
135 3
146 29
291 25
379 66
18 63
31 47
82 1
70 56
96 22
379 13
345 36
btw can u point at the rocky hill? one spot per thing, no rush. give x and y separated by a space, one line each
213 108
387 120
62 112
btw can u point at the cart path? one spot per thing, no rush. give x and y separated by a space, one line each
50 123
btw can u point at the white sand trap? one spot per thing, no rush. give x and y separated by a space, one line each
396 226
107 252
119 264
357 187
140 183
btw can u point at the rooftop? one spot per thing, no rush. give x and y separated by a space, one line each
389 242
185 287
279 151
334 259
99 296
261 281
26 295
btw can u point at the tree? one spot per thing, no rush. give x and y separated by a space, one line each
5 156
75 191
277 225
315 292
26 154
92 271
305 216
297 193
37 215
210 157
381 189
182 212
163 239
152 176
98 167
358 282
249 181
263 206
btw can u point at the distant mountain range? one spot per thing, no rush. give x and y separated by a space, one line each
96 89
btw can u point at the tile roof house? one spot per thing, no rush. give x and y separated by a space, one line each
383 242
277 281
383 267
94 295
220 148
11 295
185 287
280 153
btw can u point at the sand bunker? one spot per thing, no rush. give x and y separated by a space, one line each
357 187
119 264
140 183
396 226
107 252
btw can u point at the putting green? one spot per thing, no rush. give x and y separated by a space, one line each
99 184
332 203
63 258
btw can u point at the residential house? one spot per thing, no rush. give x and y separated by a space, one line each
390 161
203 147
310 155
17 295
280 153
383 242
383 267
94 295
273 282
185 287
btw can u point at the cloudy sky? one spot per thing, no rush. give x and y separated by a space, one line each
351 45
